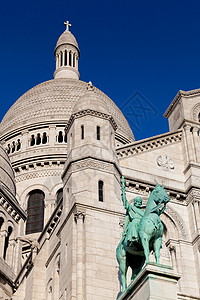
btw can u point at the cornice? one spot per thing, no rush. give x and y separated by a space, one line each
149 144
145 188
10 205
34 164
91 113
91 163
177 99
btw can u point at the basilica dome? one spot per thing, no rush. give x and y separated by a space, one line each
7 177
53 102
67 38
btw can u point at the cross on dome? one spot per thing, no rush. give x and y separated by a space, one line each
67 24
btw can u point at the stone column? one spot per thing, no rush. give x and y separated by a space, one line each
197 214
72 59
196 143
77 63
3 235
172 250
56 61
49 208
52 135
189 143
75 58
60 59
24 140
11 253
63 56
79 218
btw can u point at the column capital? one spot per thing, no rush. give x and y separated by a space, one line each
172 248
3 233
79 215
187 127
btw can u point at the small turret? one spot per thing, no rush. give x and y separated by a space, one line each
67 55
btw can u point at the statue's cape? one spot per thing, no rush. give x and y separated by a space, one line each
135 213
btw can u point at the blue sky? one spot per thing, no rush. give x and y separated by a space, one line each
140 53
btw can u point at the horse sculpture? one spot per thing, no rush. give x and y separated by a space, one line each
132 251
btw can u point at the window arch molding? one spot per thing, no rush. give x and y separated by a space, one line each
55 189
3 215
4 224
11 224
195 112
25 195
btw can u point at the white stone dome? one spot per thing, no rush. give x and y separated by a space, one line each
7 177
67 38
53 102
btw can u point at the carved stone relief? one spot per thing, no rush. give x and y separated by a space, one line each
165 162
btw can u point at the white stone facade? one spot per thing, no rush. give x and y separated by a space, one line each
66 134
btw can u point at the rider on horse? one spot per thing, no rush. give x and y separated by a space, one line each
133 216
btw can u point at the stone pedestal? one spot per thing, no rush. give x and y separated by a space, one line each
154 282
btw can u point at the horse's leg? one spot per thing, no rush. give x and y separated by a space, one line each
123 269
135 272
157 245
145 245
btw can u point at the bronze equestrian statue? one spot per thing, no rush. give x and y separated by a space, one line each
143 232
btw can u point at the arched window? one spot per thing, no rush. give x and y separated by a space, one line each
199 117
13 147
35 211
100 188
74 57
18 145
32 142
7 242
98 133
65 137
70 59
61 59
8 151
59 195
38 140
65 58
82 132
60 137
44 138
1 222
50 290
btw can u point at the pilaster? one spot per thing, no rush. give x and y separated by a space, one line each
79 219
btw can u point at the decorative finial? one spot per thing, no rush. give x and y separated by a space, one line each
67 24
90 86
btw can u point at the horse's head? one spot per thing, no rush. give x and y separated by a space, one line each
159 195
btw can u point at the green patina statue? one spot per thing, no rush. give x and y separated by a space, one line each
143 231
